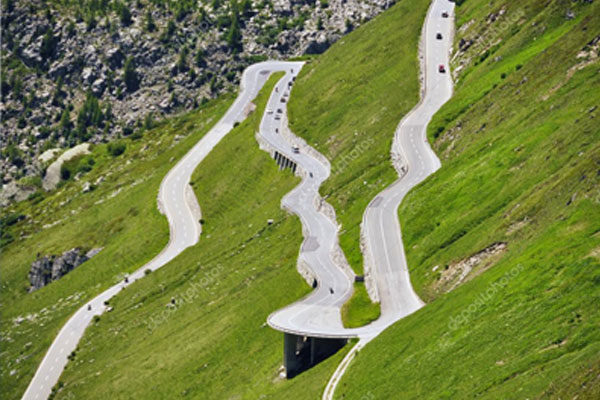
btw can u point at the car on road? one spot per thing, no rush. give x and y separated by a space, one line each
295 149
444 14
282 100
269 111
438 36
441 69
277 117
279 110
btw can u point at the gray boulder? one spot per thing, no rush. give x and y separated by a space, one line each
50 268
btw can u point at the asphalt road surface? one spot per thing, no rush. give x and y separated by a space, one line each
318 314
184 230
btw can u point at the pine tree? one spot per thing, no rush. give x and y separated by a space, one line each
130 75
234 35
150 25
65 120
125 15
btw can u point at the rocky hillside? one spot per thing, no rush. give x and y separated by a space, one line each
92 70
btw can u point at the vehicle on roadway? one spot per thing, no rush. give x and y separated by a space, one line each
441 69
277 117
295 149
438 36
279 110
282 100
310 174
269 111
444 14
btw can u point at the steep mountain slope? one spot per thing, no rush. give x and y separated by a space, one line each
347 104
197 326
118 213
504 240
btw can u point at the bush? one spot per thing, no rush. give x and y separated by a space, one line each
115 149
80 164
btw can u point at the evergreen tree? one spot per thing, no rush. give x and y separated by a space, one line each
199 59
65 120
150 25
130 75
182 61
124 15
90 113
234 35
49 43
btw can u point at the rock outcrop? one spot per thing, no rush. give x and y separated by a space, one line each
50 268
180 54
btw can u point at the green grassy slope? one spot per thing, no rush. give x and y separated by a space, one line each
347 104
214 343
520 149
120 214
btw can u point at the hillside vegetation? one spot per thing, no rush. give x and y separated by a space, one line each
213 342
504 240
137 60
118 213
347 104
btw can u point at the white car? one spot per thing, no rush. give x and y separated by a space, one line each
269 111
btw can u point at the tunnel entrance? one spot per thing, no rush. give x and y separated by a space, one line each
302 352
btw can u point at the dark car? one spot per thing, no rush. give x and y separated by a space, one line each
441 68
438 36
445 14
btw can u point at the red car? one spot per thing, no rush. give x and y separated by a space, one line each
441 68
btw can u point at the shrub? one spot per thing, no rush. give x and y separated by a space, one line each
115 149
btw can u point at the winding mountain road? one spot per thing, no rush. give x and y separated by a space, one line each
176 203
318 314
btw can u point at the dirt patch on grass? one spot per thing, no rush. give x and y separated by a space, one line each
458 272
